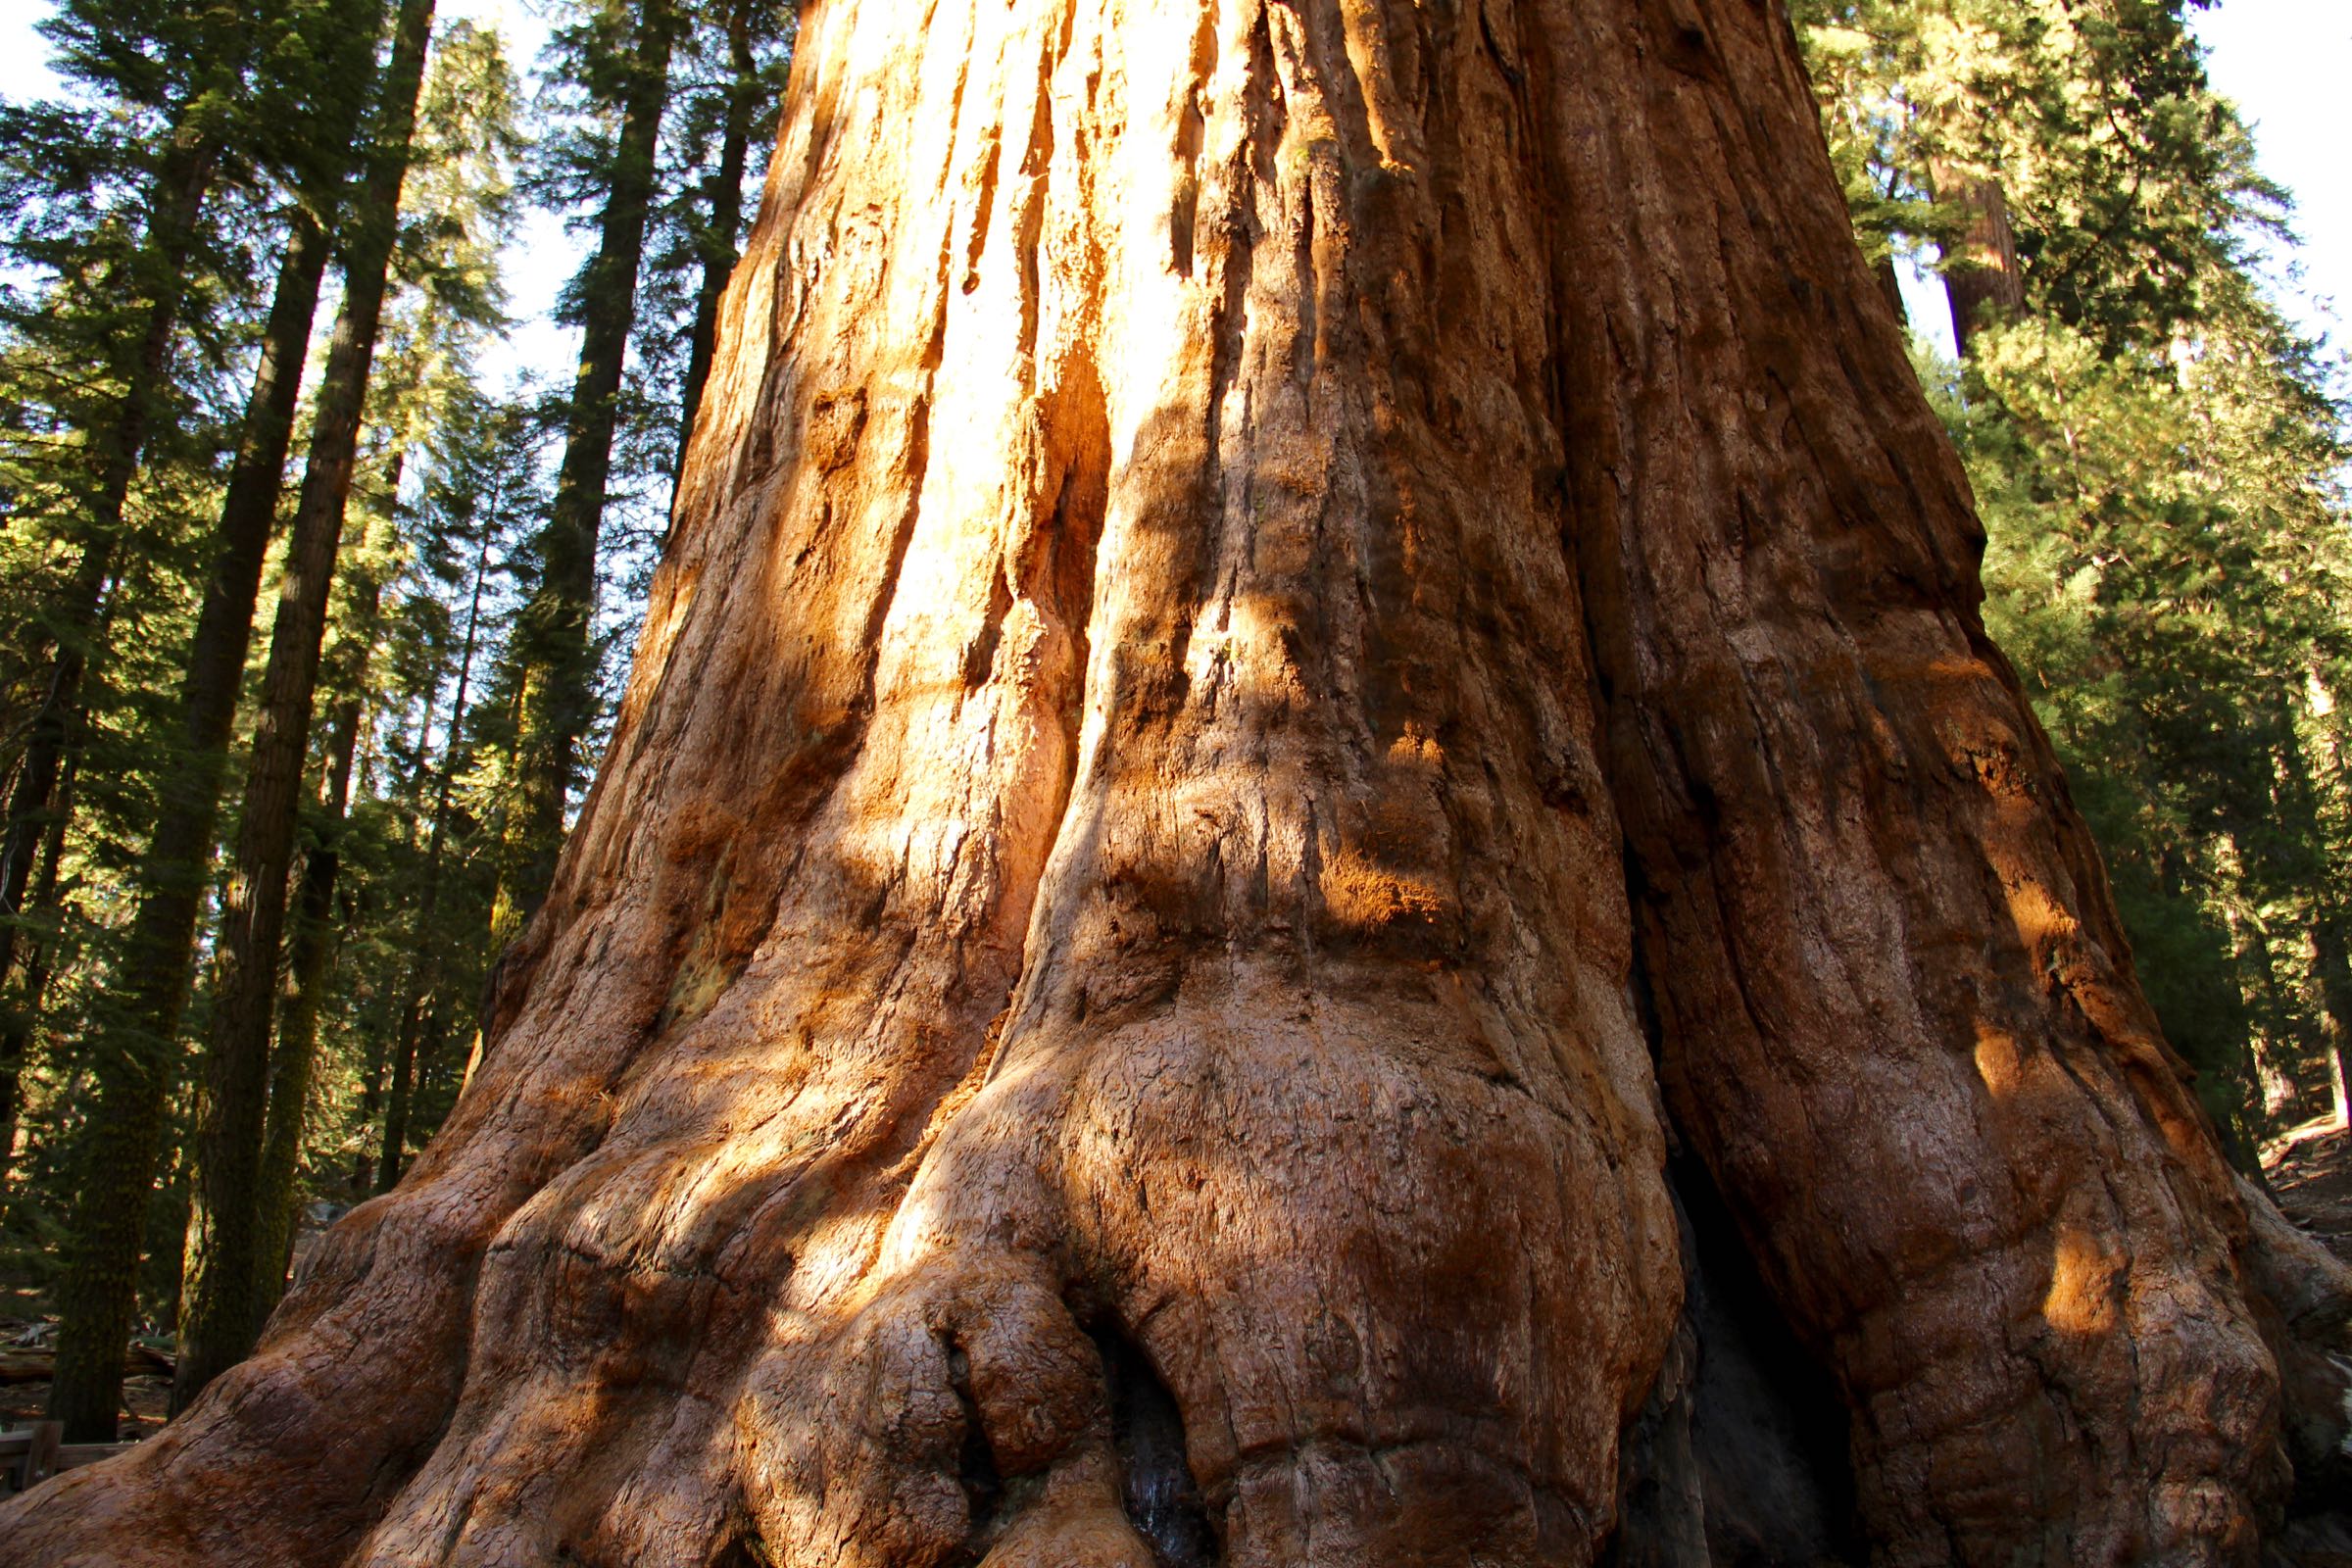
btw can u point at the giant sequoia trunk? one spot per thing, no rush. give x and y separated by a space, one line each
1300 636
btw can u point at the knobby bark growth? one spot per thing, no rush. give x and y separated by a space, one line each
1298 637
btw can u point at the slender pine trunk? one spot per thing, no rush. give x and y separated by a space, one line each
33 797
312 944
177 865
2284 1035
26 995
317 934
724 192
1983 278
220 1312
309 960
2290 863
97 1296
372 1105
399 1085
557 635
2331 953
425 953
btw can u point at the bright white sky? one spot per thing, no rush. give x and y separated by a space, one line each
2287 62
2289 65
544 254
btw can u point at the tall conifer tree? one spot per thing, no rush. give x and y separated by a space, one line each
223 1301
623 57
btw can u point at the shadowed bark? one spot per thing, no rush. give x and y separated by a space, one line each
1296 637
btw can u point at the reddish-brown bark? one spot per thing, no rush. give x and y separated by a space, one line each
1983 281
1279 612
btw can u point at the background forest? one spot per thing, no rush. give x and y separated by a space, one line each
309 628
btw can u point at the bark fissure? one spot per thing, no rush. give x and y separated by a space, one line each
1148 1430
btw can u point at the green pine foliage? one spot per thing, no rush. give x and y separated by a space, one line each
135 205
2161 465
414 843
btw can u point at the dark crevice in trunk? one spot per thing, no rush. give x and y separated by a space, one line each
1746 1436
744 1550
977 1467
1163 1501
1768 1428
1661 1499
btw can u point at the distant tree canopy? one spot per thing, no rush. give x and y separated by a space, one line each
209 187
2159 458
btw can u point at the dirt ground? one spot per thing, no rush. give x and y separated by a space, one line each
2310 1175
144 1400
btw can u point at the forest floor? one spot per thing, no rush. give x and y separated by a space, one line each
24 1387
2310 1172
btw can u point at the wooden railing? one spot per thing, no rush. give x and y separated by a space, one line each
30 1455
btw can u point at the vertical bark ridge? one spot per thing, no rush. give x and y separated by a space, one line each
1881 940
1256 842
896 937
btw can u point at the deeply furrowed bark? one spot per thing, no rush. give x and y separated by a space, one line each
1899 1022
1093 1015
